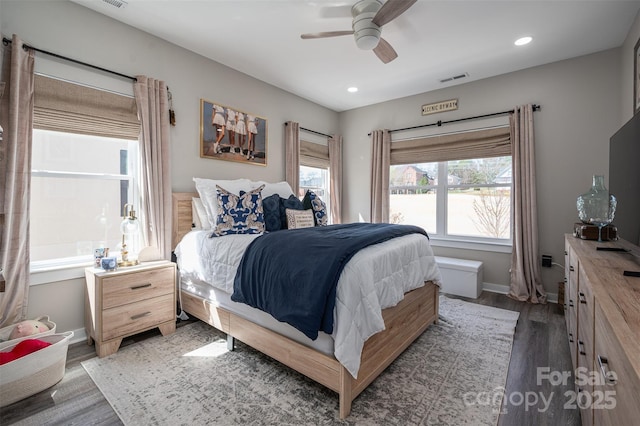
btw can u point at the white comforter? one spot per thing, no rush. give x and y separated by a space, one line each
374 279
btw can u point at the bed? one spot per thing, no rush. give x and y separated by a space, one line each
403 323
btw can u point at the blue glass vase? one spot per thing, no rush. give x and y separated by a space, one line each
597 206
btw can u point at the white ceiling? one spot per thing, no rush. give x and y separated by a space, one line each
434 40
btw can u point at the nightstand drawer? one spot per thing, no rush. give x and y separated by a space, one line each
128 288
135 317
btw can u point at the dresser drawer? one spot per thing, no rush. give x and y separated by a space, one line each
610 361
135 317
127 288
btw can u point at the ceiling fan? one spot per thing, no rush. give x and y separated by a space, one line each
368 18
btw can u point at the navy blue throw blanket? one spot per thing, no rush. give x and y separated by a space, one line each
293 274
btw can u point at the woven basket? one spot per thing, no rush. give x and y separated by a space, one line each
5 332
35 372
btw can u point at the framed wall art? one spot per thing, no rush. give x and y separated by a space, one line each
636 78
229 134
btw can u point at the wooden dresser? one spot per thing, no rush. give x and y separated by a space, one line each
128 301
602 309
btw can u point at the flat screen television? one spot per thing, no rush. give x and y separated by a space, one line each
624 179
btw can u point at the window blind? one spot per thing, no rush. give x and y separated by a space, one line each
314 155
67 107
494 142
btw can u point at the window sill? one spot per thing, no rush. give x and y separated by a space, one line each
471 245
45 273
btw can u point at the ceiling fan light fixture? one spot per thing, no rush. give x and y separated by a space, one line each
366 40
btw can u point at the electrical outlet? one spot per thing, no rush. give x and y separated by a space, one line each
546 260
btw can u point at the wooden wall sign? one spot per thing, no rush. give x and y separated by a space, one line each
443 106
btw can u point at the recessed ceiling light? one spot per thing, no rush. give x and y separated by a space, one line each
523 40
352 89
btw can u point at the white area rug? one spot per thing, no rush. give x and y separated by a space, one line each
190 378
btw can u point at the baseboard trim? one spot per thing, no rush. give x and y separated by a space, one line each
79 335
504 289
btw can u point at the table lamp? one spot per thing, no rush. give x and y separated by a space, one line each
129 228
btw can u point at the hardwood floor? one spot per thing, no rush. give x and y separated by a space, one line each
540 342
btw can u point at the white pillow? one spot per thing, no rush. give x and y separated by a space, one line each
199 214
283 188
207 190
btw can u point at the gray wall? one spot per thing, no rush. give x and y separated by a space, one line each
584 100
77 32
580 111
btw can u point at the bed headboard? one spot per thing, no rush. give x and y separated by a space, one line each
182 218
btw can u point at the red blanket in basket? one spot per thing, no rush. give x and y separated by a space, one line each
23 348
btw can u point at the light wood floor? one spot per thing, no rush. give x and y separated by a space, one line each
540 341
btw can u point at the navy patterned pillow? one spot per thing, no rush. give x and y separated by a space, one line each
239 214
313 202
288 203
271 208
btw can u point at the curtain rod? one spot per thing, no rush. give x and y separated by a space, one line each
440 122
311 131
25 46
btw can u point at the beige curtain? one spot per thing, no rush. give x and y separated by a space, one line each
380 163
16 117
155 182
314 155
292 154
526 284
335 177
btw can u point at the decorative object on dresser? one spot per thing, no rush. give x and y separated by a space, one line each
590 232
438 380
128 301
597 206
603 325
129 228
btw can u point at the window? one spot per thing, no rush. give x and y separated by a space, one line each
79 186
456 186
462 199
314 171
83 170
316 179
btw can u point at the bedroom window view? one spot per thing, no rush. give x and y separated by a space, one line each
315 179
469 199
79 185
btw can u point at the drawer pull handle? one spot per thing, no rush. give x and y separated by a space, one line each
138 287
571 268
144 314
609 376
581 347
583 298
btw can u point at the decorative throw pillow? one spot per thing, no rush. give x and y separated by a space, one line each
271 209
313 202
288 203
239 214
207 190
297 219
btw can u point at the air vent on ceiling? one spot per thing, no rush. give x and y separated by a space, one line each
455 77
120 4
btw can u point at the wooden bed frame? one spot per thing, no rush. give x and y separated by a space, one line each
403 324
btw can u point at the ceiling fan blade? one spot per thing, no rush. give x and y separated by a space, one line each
325 34
384 51
391 10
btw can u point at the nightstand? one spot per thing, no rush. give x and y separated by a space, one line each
128 301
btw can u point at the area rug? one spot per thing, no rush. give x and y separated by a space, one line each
454 374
